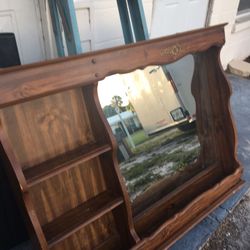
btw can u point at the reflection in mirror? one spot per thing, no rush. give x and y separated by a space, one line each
152 115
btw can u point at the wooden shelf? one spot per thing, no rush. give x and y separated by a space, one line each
79 217
63 162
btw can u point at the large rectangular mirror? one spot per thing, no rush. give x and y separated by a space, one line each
151 112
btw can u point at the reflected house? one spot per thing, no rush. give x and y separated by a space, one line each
131 121
132 124
160 96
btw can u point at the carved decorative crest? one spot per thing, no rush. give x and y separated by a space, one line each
172 51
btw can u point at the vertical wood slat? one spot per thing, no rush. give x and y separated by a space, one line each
138 20
125 21
66 9
63 15
54 15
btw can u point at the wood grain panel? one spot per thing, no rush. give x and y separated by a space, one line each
47 127
170 231
201 88
72 221
67 190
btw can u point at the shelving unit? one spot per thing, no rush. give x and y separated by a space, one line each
58 143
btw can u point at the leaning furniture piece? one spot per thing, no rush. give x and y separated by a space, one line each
60 153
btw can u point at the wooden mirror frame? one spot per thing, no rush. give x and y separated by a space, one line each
160 224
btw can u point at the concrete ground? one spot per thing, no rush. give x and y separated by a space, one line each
233 233
225 233
225 228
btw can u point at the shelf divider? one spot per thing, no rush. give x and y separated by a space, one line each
79 217
58 164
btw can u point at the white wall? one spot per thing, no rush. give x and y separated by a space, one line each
99 23
100 27
237 33
170 17
23 19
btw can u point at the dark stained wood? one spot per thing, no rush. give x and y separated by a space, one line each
47 127
67 190
86 238
50 136
167 206
215 109
112 172
215 203
170 231
112 243
79 217
63 162
61 155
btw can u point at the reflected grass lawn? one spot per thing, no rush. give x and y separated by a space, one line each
164 155
138 137
158 140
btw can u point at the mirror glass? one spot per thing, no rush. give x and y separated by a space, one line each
152 115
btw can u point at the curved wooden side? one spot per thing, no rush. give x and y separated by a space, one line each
215 127
230 135
112 173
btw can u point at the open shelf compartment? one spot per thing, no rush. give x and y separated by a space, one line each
63 162
79 217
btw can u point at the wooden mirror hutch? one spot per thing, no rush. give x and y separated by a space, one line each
60 153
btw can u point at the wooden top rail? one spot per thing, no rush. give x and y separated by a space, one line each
22 83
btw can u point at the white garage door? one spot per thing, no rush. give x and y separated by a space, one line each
22 17
174 16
